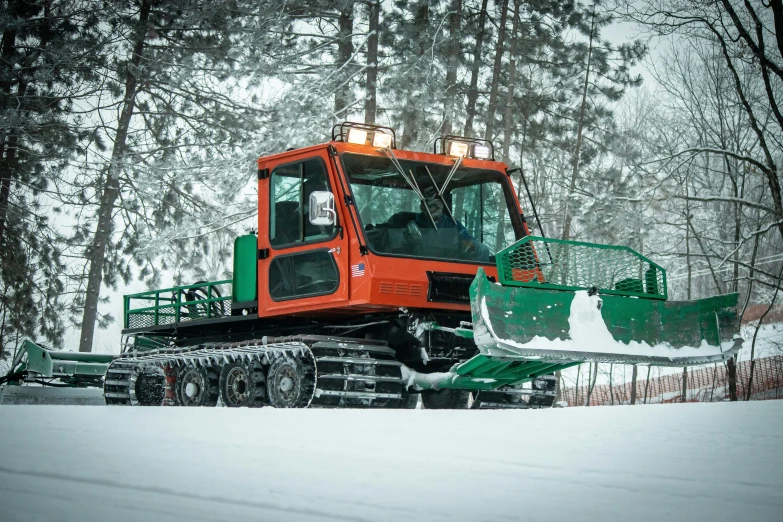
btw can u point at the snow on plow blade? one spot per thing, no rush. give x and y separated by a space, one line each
541 309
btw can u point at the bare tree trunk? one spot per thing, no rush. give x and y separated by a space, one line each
7 51
371 100
344 53
558 386
576 392
508 118
688 239
7 169
737 235
580 126
493 90
591 383
647 383
455 21
111 185
684 394
706 258
731 368
777 10
410 130
470 112
611 389
2 328
633 384
508 113
751 275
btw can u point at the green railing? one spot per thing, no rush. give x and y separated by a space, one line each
538 262
180 303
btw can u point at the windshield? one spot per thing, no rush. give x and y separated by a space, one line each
431 211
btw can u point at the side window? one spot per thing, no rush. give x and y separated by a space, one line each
290 188
482 209
303 274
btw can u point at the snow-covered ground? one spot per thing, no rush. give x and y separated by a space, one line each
675 462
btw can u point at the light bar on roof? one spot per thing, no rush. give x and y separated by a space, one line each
464 147
356 133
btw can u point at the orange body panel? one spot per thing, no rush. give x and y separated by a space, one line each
388 283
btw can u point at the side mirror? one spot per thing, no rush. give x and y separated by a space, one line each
322 208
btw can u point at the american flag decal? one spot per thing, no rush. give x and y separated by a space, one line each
357 270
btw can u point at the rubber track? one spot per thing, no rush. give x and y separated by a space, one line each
120 384
348 374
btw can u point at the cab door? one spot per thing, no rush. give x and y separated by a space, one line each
302 267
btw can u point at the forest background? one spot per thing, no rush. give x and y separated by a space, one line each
129 130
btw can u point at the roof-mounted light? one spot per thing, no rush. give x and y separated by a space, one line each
481 151
357 136
459 146
365 134
382 140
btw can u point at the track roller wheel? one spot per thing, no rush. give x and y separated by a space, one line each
147 386
196 386
291 383
445 399
242 384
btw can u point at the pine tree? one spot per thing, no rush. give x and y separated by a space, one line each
47 56
178 67
412 81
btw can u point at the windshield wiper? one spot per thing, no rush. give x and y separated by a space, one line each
411 183
453 170
440 195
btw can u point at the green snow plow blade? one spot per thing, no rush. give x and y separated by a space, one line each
37 364
560 303
541 309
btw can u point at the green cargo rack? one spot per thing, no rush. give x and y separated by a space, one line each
206 300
